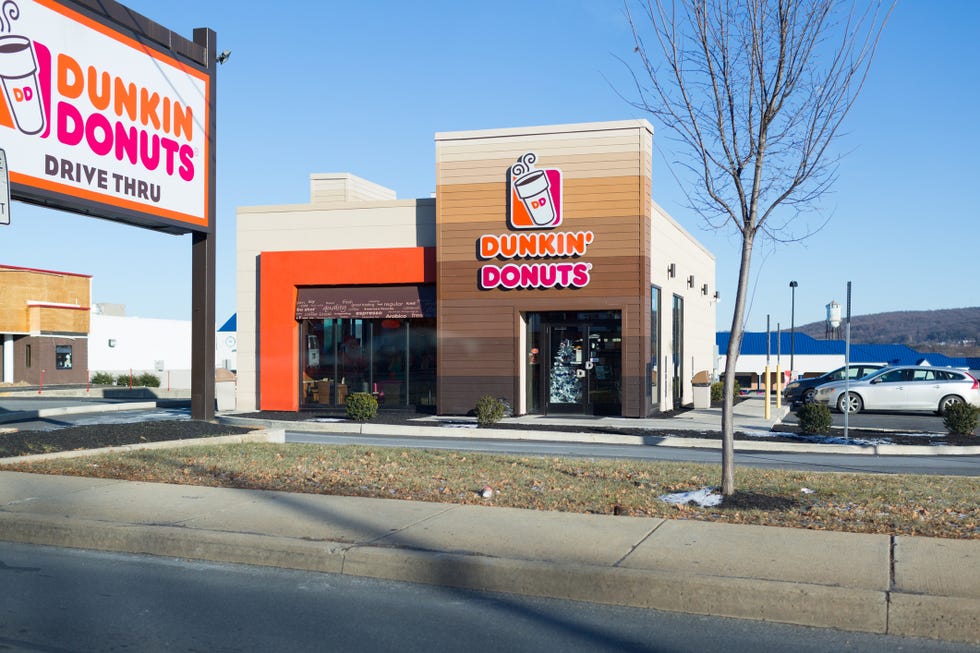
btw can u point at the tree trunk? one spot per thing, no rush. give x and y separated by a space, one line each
731 359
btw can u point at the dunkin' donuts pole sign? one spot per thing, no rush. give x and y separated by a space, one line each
92 119
535 204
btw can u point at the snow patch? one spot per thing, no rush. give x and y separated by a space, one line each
705 497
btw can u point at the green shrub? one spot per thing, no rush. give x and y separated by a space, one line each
489 410
103 378
147 380
961 419
361 406
718 390
815 418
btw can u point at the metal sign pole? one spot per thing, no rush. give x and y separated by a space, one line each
779 364
203 272
768 349
847 362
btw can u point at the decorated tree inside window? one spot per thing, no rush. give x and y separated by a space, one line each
566 388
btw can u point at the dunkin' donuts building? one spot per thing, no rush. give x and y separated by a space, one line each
542 272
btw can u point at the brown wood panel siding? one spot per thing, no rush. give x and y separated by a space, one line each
605 187
610 276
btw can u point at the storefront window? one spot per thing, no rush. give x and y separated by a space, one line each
535 358
62 357
677 351
654 367
422 362
392 358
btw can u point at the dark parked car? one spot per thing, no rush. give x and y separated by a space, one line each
801 391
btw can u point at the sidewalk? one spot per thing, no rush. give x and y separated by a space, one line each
907 586
911 586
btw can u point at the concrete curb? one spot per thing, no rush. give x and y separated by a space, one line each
854 609
265 435
538 435
744 598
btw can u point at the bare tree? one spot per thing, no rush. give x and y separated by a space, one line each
756 92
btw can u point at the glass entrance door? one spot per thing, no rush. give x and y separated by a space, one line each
583 370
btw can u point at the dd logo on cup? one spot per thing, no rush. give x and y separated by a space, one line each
535 196
18 73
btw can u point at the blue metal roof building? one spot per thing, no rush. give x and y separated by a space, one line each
754 344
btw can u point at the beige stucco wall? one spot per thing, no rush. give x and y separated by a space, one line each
312 227
328 187
671 244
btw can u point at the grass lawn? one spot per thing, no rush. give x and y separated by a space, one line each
940 506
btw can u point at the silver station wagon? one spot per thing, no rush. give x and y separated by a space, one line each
907 387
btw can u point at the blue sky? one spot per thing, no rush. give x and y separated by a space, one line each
362 87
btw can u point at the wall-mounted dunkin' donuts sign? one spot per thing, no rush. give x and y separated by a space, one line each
535 209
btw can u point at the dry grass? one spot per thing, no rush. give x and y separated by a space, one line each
939 506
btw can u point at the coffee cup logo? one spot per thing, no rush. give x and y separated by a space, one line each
535 195
18 74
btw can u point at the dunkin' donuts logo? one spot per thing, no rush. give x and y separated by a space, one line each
535 195
19 74
98 116
535 203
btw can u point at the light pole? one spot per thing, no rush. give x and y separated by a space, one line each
792 327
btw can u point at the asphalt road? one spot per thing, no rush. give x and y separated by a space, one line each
73 600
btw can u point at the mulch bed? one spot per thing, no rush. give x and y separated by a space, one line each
94 436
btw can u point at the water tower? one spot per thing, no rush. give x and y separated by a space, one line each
833 321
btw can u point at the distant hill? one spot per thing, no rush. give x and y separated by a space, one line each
951 331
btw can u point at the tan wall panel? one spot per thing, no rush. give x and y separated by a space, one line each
14 319
569 172
625 223
18 287
59 320
581 143
593 207
594 198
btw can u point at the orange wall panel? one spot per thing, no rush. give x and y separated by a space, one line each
280 273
